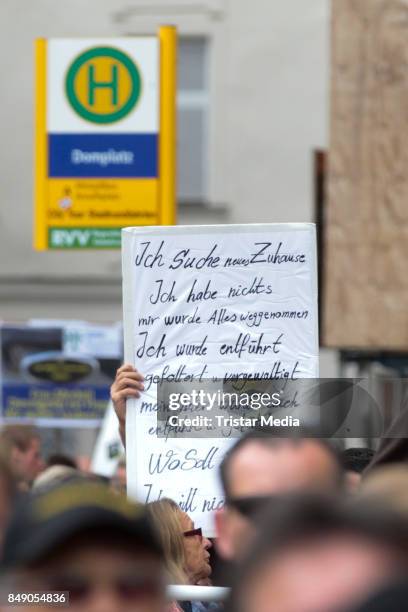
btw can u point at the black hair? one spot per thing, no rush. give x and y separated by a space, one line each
60 459
356 459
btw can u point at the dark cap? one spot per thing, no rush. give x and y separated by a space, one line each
43 522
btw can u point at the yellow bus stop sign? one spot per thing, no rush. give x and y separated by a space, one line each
105 138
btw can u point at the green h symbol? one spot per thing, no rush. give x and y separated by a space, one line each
93 84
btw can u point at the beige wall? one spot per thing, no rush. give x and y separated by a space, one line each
367 214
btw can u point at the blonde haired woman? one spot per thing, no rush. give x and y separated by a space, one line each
165 515
185 548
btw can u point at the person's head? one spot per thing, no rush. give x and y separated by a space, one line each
313 554
24 448
186 550
196 548
259 466
84 539
166 514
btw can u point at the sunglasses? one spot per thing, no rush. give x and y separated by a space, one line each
193 532
131 588
251 506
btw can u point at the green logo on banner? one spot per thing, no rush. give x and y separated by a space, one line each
103 85
84 238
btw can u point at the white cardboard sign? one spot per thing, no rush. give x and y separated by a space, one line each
203 301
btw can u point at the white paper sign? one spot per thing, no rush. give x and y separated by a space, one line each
203 301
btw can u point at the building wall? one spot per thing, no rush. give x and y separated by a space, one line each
268 82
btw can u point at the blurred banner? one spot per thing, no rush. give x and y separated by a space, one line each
210 301
105 138
58 373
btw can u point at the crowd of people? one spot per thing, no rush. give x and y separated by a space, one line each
304 528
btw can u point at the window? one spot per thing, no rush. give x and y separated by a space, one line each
192 119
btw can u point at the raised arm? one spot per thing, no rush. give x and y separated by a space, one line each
128 383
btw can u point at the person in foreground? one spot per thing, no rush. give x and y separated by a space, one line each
83 540
259 467
316 554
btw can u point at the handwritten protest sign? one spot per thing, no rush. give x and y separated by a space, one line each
206 301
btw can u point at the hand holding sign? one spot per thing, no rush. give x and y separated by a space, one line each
128 383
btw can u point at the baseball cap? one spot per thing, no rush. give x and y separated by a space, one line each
42 522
